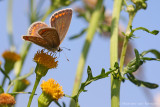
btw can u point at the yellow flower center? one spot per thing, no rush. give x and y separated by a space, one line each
52 88
6 99
8 55
46 60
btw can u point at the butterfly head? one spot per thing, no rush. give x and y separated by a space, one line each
59 49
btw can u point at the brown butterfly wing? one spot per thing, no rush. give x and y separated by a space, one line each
61 21
38 40
34 27
50 35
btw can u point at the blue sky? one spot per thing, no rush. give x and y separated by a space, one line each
98 94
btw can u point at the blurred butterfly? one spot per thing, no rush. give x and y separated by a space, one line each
50 37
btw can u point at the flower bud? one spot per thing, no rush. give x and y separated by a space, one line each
130 8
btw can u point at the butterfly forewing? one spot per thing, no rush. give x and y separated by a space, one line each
37 40
33 29
61 21
50 35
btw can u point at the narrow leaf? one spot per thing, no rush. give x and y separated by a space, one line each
1 89
149 85
102 71
154 32
153 51
78 35
116 65
64 105
150 59
137 57
6 75
140 82
89 72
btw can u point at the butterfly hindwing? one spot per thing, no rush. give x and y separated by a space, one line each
37 40
33 29
61 21
50 35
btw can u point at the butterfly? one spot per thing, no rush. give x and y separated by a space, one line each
50 37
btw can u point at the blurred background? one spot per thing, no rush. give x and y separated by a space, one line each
98 94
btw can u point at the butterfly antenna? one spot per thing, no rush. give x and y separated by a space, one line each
65 56
66 48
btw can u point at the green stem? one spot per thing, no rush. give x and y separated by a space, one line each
3 82
5 75
33 14
125 43
115 83
90 34
9 25
33 91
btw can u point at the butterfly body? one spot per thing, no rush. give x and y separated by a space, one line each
50 37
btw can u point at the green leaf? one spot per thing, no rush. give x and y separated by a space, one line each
64 105
134 64
154 32
153 51
78 35
102 71
5 74
1 89
90 79
150 85
89 72
116 65
137 57
57 103
140 82
150 59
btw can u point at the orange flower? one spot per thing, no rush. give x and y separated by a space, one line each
53 89
8 55
46 60
6 99
10 59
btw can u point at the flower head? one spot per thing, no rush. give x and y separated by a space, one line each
22 85
46 60
6 99
10 59
53 89
12 56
